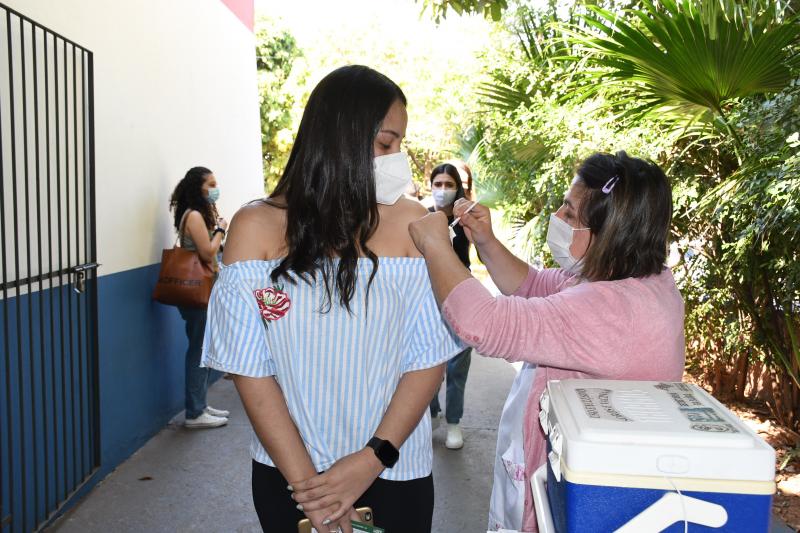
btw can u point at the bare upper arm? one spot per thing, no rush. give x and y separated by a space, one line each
412 210
257 232
392 238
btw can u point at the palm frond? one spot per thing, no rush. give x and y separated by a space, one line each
503 96
684 59
532 151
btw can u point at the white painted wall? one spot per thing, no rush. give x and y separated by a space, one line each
175 87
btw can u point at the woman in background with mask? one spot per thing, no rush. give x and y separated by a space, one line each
200 228
446 189
324 314
611 311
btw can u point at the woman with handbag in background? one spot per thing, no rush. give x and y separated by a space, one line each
201 229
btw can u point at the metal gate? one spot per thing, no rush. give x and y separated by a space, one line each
49 424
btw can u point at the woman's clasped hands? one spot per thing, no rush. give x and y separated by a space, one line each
327 499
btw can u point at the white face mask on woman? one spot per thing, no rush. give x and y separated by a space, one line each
443 197
559 240
392 177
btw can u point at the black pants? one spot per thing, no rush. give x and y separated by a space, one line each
398 506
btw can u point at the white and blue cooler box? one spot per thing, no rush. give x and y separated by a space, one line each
644 456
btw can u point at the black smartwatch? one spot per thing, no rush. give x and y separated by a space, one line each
219 230
385 451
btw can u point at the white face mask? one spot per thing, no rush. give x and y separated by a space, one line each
443 197
392 177
559 240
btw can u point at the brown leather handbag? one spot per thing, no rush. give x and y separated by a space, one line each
184 279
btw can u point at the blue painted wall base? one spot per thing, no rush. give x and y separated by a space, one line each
142 347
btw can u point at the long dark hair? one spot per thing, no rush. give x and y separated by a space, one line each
329 181
452 171
188 194
630 223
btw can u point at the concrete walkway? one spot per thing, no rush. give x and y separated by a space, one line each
199 480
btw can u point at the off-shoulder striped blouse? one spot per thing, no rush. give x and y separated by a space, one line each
338 371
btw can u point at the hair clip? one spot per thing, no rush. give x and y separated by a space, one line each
609 186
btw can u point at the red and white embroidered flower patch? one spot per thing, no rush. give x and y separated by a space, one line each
273 303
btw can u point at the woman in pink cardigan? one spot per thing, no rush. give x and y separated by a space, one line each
612 310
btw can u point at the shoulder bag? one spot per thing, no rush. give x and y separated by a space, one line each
184 280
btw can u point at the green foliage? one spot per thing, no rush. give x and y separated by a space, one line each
759 206
435 65
533 139
687 58
588 76
276 53
492 9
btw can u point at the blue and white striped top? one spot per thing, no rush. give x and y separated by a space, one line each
338 371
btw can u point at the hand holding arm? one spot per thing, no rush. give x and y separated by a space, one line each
432 238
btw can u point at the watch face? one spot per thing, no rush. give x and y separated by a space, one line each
385 451
390 453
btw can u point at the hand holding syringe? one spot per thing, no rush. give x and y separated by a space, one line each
475 218
454 222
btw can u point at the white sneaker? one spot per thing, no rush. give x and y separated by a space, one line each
217 412
455 440
205 420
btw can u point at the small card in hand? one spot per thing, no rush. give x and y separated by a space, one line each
360 527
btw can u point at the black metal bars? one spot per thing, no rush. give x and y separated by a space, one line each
49 420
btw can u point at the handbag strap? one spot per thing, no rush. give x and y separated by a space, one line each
181 227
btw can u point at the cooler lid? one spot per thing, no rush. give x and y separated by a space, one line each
650 428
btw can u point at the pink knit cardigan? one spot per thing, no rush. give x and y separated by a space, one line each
626 329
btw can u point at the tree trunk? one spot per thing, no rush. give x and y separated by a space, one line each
741 370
